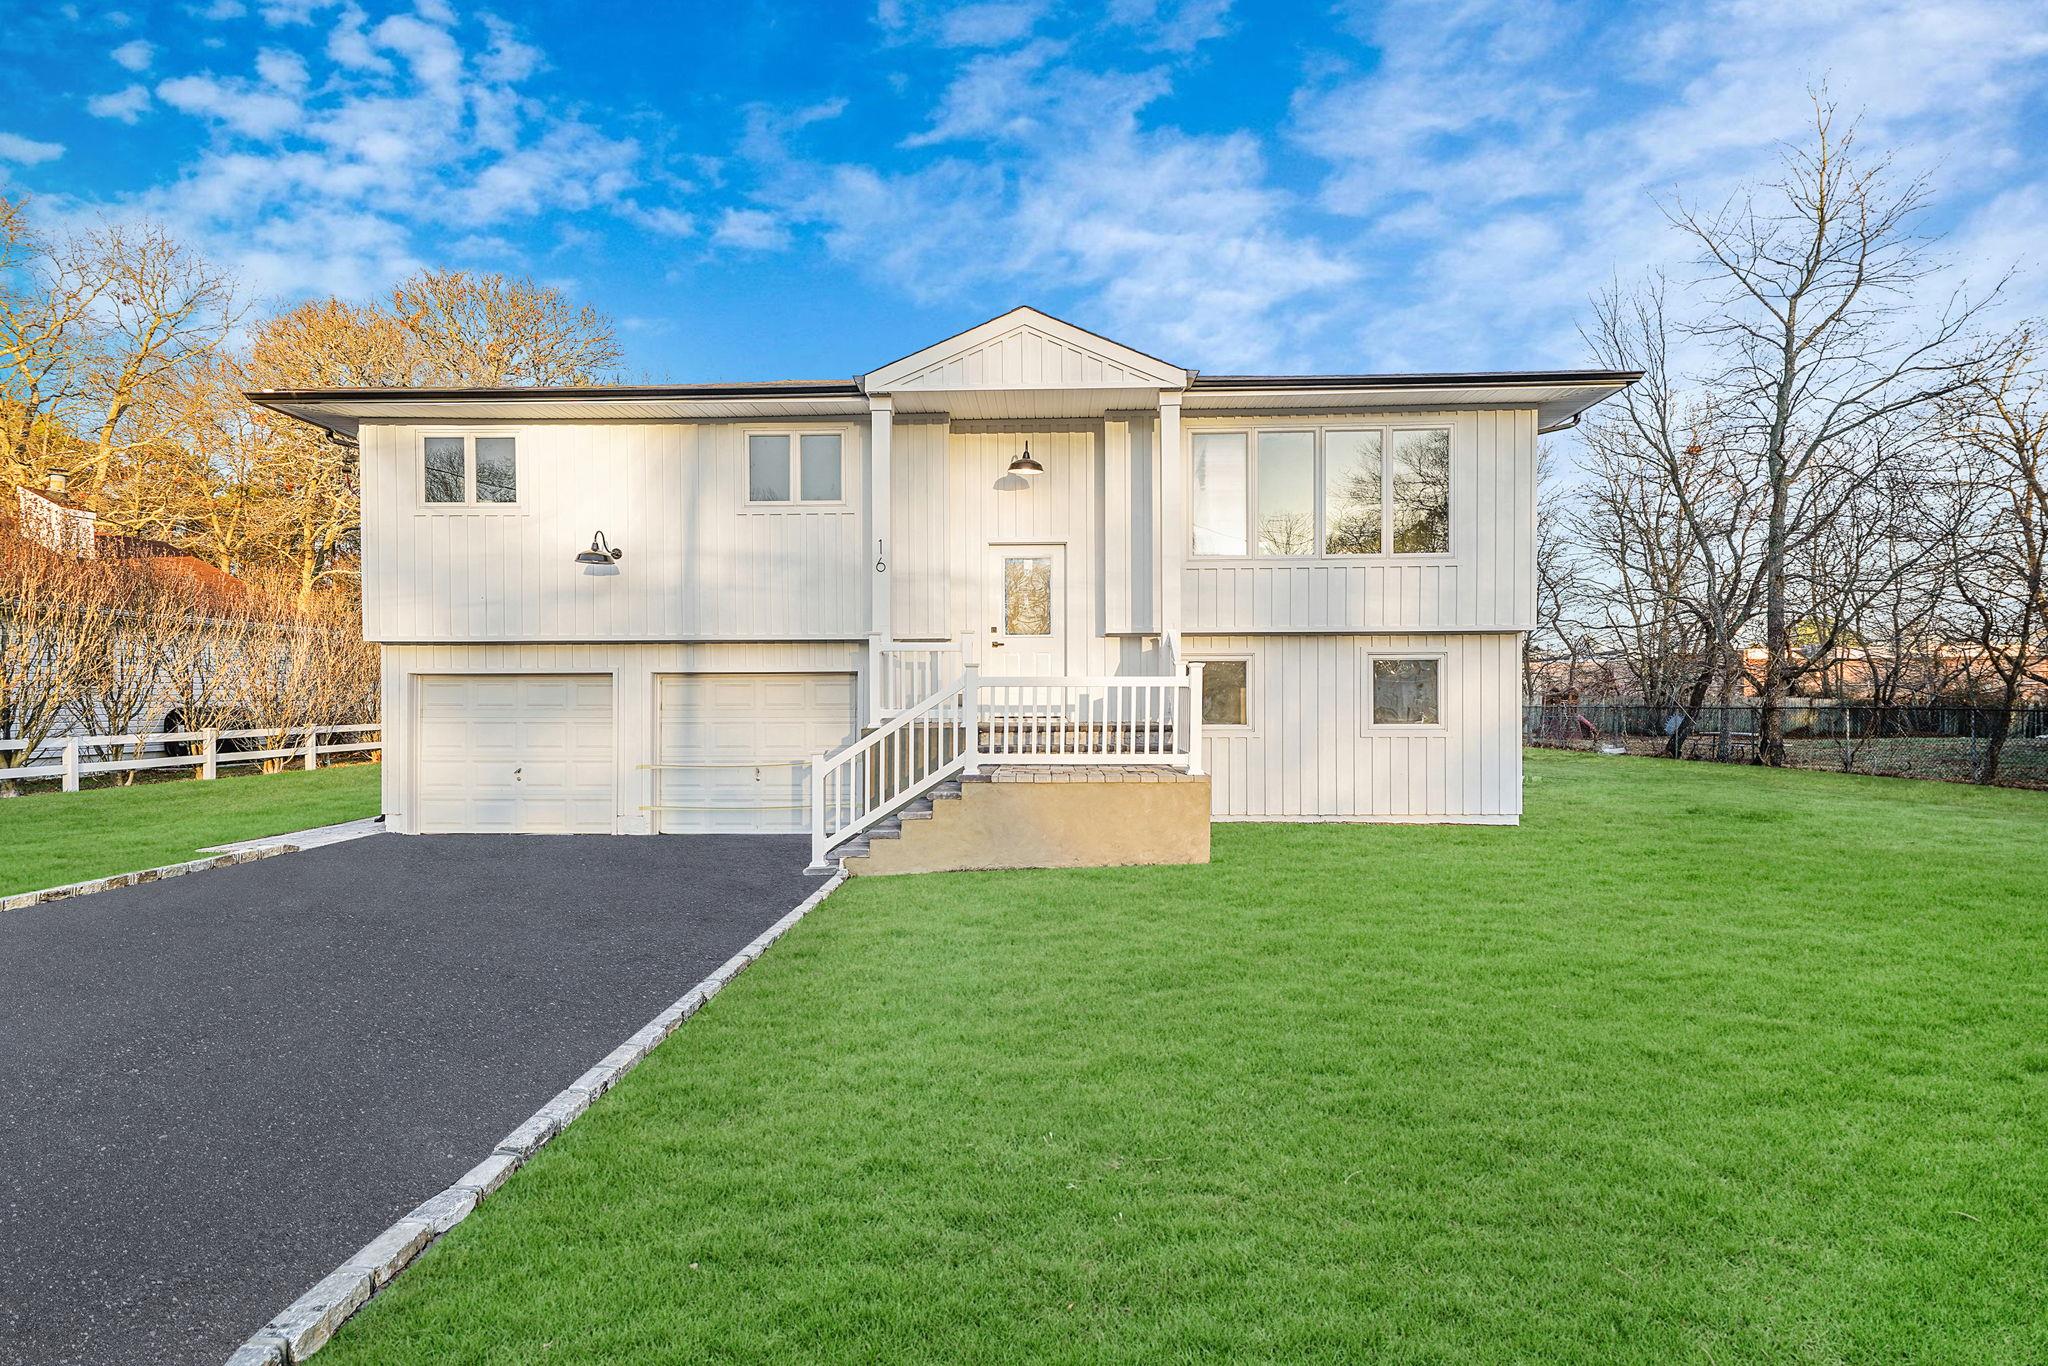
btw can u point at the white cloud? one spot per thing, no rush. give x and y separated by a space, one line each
127 104
286 71
134 55
369 143
990 24
1180 242
1513 152
349 45
1170 26
27 151
244 108
751 230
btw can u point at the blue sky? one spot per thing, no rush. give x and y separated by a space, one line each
796 190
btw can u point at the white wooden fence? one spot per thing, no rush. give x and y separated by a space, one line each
297 744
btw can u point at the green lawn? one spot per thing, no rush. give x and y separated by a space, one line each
49 839
1700 1064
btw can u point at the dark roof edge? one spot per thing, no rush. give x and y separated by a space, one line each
789 388
1448 381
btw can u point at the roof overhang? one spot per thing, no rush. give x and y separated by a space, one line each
343 411
1557 396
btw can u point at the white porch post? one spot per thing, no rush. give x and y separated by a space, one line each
882 414
1173 525
1192 722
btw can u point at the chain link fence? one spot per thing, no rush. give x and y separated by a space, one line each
1945 743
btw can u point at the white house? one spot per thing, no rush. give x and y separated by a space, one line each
638 609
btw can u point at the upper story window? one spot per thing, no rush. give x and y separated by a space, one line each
794 467
469 471
1297 494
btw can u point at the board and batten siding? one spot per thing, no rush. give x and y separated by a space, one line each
1309 754
699 562
635 671
1486 583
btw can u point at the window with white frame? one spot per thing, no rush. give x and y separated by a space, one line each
1404 690
469 470
794 467
1304 493
1226 691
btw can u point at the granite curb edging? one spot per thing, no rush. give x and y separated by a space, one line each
23 900
306 1325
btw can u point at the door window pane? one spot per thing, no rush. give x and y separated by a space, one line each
1351 493
1422 492
1405 692
1224 692
1027 595
820 473
1287 493
1219 493
445 473
767 469
497 476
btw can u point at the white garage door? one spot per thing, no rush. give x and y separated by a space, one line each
734 748
514 752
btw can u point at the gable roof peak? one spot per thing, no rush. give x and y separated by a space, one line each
1025 348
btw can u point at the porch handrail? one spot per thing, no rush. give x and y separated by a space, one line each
904 672
915 750
1153 719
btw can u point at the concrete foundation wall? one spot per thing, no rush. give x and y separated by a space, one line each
1073 819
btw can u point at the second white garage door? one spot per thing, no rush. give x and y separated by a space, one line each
733 749
518 753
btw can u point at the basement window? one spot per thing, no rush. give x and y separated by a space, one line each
1226 691
1406 691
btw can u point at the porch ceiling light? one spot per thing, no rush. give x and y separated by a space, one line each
1025 465
600 560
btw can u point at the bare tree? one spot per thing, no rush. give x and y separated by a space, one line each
56 619
161 307
1699 478
495 330
2000 564
1822 368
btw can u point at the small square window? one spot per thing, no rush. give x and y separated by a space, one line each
768 469
1226 692
820 472
447 474
1407 692
469 471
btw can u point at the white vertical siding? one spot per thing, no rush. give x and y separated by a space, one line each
699 563
919 591
1486 583
989 505
1309 752
1129 513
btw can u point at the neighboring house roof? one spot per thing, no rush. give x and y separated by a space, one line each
65 527
1044 367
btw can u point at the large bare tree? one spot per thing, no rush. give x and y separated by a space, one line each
2000 562
1829 361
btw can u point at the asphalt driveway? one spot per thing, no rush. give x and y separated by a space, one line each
214 1089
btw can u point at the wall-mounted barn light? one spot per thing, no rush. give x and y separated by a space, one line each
1025 465
600 559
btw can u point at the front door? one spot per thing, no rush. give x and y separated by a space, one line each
1027 630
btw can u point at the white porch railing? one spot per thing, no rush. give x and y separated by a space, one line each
976 720
905 672
300 744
